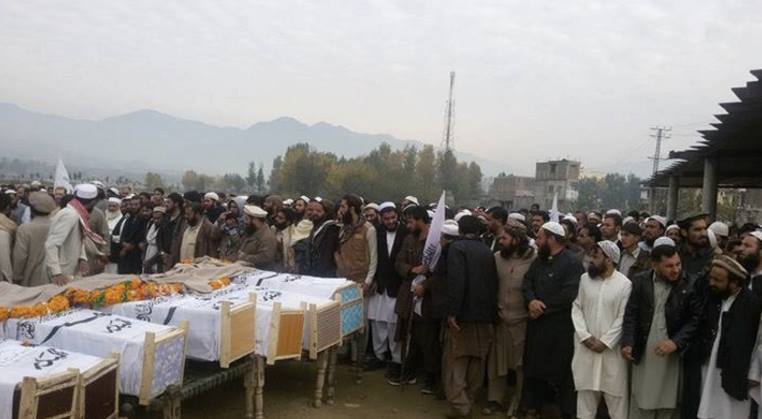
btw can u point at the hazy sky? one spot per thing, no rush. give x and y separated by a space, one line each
535 79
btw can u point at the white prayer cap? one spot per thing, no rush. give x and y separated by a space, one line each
36 183
305 198
288 202
664 241
130 196
610 249
614 211
99 184
114 200
461 214
517 216
450 228
373 206
659 219
672 226
431 214
114 191
160 209
10 192
720 229
254 211
712 238
318 199
386 205
591 214
212 195
86 191
412 199
554 228
757 234
571 218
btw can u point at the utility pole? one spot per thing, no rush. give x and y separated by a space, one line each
448 140
660 133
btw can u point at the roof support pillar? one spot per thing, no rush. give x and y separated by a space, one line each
672 196
709 190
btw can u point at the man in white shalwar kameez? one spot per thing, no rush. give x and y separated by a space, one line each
597 313
384 289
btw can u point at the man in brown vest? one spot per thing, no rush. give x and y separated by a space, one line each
356 257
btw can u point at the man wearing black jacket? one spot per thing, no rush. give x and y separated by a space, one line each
323 241
751 259
471 313
550 287
383 292
660 323
729 332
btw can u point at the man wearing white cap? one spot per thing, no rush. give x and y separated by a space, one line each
654 228
259 245
65 245
212 206
371 214
751 259
550 287
598 311
721 231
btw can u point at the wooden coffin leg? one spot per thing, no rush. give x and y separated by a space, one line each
331 391
259 404
172 403
322 365
358 352
249 384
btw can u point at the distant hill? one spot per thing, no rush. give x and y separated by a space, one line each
149 140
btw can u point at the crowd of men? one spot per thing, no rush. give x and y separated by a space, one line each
599 314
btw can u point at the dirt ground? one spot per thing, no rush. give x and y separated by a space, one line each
288 394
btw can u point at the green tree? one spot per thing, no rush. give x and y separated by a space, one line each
153 181
260 182
251 176
426 174
275 175
189 180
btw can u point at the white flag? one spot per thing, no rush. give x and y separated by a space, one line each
554 214
62 177
432 249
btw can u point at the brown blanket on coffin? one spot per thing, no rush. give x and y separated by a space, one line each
194 277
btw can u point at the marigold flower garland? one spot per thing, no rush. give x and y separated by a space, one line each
133 290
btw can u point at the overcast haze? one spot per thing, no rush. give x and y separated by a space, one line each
535 80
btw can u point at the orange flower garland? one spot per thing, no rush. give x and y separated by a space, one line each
133 290
220 283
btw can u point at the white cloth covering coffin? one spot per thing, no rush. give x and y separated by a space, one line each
18 361
202 312
352 302
101 334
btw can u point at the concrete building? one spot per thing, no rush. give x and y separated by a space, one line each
512 192
556 176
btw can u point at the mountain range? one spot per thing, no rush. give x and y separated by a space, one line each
151 140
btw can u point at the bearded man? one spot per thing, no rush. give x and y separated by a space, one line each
258 245
550 287
65 245
513 261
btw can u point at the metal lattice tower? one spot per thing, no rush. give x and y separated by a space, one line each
448 139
